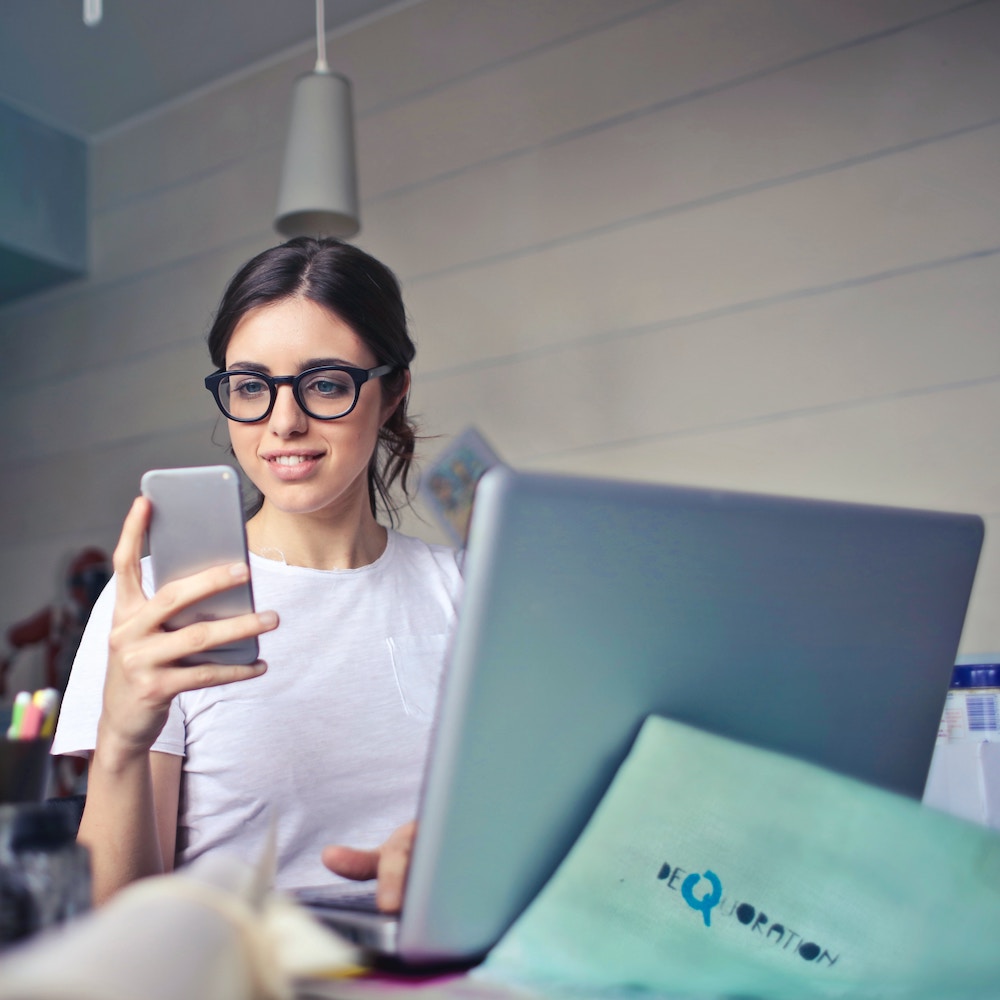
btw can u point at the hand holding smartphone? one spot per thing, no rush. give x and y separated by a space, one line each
197 523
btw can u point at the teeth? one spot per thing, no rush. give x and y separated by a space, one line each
289 459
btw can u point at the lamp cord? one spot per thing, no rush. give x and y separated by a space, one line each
321 65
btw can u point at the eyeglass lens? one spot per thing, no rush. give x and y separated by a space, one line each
324 393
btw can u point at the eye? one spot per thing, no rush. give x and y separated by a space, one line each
248 387
328 385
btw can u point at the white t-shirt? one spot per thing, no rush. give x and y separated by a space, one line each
331 740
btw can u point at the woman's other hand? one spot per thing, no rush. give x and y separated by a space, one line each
388 863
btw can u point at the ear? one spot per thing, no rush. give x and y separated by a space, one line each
393 401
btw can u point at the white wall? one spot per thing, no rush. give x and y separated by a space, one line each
753 245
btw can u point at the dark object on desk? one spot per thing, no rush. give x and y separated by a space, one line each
25 766
826 631
71 807
44 873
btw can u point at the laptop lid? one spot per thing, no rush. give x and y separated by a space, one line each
823 630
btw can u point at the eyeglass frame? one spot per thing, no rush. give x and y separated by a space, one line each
359 376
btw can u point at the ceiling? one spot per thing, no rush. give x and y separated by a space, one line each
85 80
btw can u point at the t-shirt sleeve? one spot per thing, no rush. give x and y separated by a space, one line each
76 728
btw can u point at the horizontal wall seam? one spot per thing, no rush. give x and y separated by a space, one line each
99 448
733 309
780 416
705 201
25 386
637 114
513 60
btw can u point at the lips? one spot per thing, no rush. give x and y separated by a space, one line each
289 465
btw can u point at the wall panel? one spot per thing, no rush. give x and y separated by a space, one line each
812 116
848 347
677 50
923 205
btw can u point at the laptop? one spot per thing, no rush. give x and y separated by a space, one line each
823 630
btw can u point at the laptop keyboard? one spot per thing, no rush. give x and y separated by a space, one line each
360 899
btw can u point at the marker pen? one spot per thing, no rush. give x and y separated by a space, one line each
31 721
21 702
48 700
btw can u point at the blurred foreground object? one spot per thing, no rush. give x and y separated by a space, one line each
213 931
44 872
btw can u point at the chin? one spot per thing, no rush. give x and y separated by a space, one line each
314 498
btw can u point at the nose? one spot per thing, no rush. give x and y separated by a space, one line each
287 417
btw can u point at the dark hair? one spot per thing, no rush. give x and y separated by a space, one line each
363 293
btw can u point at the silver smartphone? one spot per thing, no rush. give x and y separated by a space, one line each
197 523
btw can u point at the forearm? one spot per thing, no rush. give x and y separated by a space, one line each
119 824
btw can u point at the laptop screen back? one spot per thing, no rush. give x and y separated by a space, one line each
823 630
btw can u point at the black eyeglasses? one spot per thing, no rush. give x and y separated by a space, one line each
323 393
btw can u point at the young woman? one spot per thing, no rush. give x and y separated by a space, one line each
326 736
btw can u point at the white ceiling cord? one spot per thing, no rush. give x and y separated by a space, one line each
321 66
91 13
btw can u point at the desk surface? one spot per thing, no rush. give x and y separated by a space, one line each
387 987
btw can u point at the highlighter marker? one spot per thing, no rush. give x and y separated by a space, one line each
21 702
48 700
31 722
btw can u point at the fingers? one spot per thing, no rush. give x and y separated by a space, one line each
389 863
151 661
145 620
178 679
127 554
189 642
394 863
179 594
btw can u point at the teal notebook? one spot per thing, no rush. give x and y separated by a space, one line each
711 868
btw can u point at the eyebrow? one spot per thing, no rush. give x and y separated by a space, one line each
255 366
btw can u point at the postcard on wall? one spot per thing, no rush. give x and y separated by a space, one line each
448 484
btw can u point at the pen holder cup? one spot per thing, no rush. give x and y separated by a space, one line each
25 766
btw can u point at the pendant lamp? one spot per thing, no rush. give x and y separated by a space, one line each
319 187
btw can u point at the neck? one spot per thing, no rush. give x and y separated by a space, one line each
318 540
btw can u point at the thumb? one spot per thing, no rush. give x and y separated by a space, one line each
350 862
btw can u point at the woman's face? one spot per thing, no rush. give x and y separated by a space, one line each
300 464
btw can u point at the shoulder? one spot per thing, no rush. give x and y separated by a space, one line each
415 550
417 565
